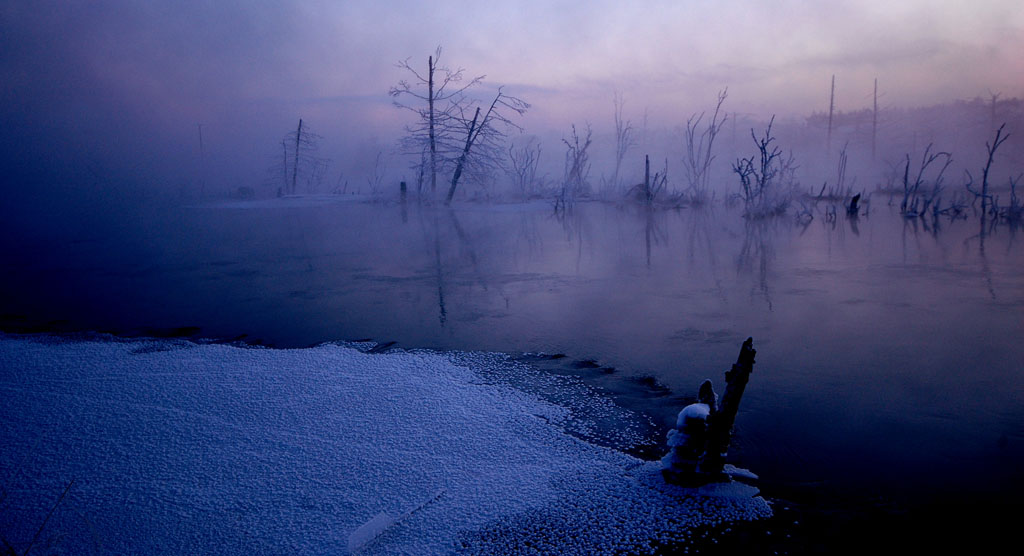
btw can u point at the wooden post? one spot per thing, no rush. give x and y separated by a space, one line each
720 432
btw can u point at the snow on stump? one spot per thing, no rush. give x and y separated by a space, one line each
700 440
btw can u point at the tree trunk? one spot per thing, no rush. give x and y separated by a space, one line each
295 167
430 108
462 158
721 424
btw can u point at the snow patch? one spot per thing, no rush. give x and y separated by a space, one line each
232 450
699 411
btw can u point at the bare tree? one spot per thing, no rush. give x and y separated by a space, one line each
437 110
624 138
699 150
984 195
483 150
376 178
762 177
841 190
575 180
522 167
299 161
317 171
914 203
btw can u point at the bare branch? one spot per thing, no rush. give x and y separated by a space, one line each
700 149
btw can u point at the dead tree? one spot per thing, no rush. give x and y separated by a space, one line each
700 440
624 138
700 150
650 188
761 176
436 108
577 168
485 138
720 431
913 204
522 167
376 178
299 141
984 195
299 161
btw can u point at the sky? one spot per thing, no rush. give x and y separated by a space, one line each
132 80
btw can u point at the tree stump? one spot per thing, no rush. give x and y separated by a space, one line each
699 443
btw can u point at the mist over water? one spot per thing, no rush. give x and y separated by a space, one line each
231 171
888 349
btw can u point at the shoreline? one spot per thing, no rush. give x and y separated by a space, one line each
808 518
266 428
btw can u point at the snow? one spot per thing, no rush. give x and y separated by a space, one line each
699 411
182 447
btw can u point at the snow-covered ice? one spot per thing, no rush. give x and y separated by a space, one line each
182 447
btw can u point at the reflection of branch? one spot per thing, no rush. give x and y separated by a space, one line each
654 232
467 243
756 244
700 220
443 315
572 224
986 272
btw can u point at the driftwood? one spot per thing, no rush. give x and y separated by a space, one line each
700 441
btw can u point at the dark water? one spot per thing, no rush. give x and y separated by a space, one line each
890 359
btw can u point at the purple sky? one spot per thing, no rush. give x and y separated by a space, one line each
248 68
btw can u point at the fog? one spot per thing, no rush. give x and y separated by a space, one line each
107 100
149 157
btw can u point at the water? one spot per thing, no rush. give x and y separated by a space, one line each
890 360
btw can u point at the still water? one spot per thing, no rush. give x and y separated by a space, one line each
890 358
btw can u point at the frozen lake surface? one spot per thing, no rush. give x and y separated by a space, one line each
889 352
